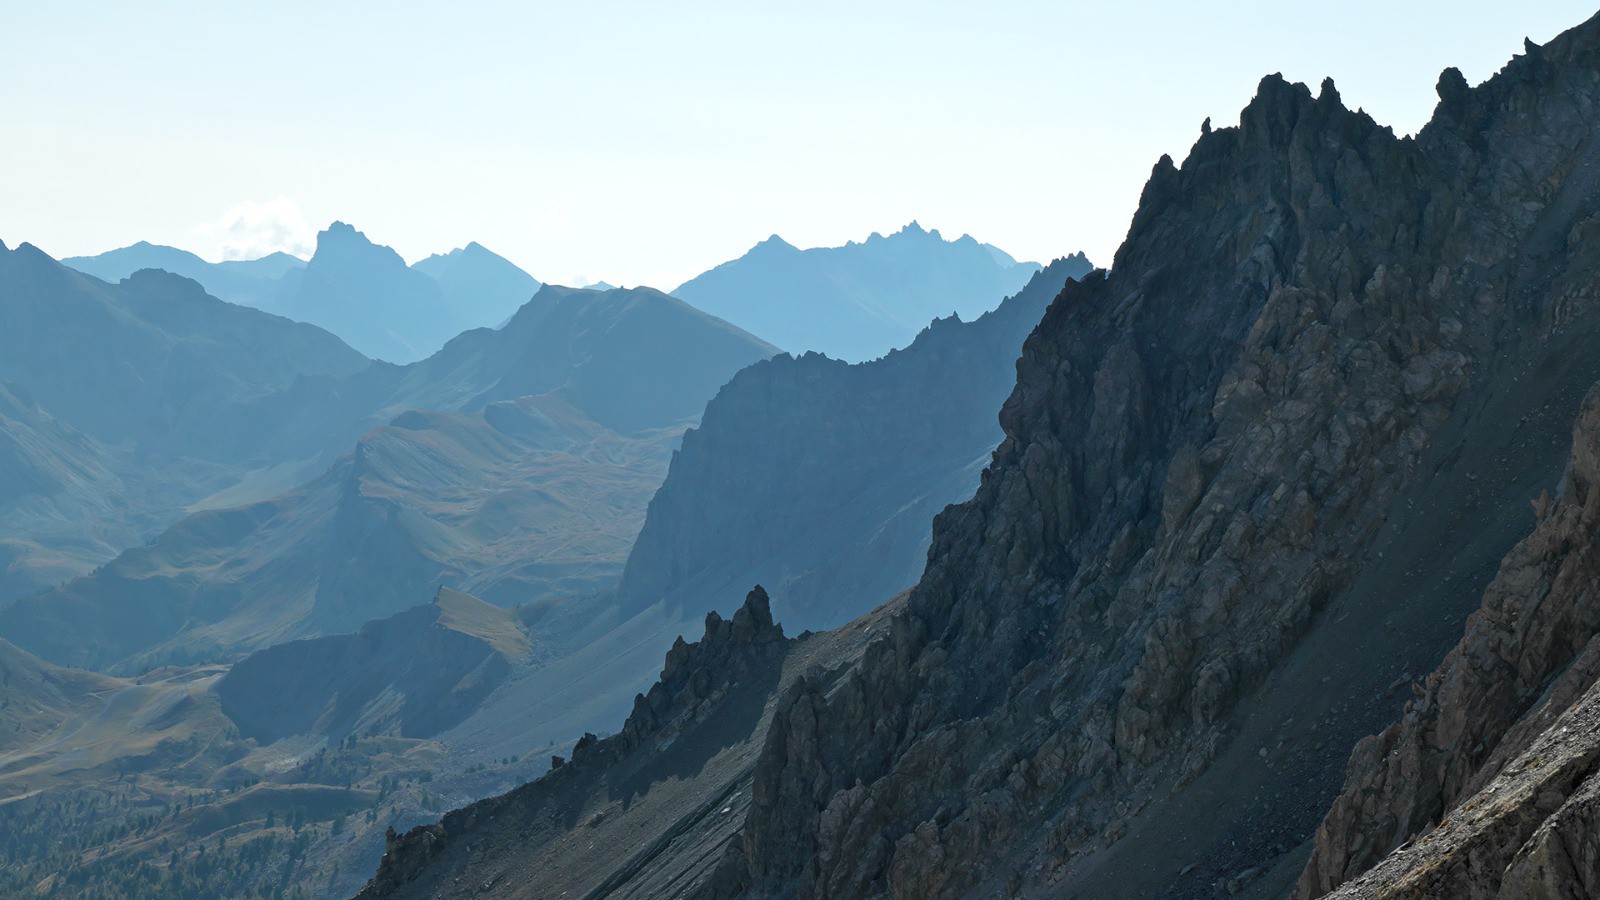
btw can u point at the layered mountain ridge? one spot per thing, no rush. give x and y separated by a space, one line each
756 489
1209 547
859 301
361 291
528 476
113 395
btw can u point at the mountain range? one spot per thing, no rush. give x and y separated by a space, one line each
859 301
854 302
361 291
1257 481
515 462
111 397
1260 564
756 490
266 621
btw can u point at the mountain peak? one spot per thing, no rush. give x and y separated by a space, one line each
774 243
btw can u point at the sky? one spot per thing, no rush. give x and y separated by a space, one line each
644 142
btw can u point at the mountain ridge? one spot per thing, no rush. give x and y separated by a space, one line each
755 489
860 300
1216 472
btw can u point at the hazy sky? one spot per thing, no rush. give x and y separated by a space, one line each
644 142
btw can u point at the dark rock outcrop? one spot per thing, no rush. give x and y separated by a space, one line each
1261 470
1492 776
669 780
819 478
1201 466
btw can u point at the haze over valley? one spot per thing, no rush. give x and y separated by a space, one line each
1258 556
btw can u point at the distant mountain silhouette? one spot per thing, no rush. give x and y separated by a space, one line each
529 475
113 397
152 360
482 287
366 294
248 282
361 291
859 301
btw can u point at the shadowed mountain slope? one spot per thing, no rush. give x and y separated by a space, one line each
859 301
649 811
819 478
1489 784
413 674
1251 480
631 360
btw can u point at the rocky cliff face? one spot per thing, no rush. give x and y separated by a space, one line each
1197 462
1216 529
1494 768
756 492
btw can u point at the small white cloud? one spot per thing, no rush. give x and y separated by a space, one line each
253 230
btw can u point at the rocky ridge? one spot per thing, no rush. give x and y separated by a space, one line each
717 683
1136 656
1488 785
755 491
1192 472
858 301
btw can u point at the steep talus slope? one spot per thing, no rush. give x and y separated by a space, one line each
859 301
1491 778
415 673
756 491
646 813
1214 471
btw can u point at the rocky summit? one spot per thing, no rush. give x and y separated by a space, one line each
1255 481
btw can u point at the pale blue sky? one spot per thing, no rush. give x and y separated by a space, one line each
644 142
